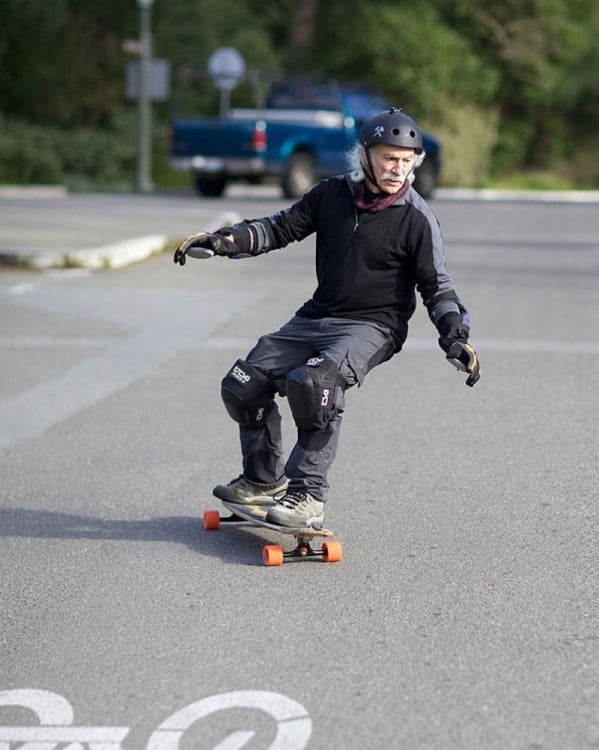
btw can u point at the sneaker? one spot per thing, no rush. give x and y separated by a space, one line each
245 492
297 508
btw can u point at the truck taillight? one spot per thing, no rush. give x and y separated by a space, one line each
259 137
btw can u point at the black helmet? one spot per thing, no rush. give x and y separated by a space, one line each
394 128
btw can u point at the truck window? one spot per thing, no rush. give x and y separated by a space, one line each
303 96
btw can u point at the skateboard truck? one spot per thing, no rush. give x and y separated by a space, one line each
274 554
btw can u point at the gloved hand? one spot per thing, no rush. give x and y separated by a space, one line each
454 341
237 241
464 357
452 328
203 245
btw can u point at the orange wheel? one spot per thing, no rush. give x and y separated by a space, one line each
332 551
272 554
211 520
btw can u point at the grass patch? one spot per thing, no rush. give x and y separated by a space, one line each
534 180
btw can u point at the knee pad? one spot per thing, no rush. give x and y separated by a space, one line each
247 394
314 393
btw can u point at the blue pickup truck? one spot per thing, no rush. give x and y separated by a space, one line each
301 135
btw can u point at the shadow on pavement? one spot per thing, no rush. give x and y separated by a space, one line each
232 545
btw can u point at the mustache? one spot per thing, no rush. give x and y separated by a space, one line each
392 177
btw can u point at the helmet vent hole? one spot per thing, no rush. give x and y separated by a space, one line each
395 131
412 134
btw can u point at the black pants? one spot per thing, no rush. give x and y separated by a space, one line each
355 347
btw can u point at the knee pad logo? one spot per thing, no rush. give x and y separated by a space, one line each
247 394
240 375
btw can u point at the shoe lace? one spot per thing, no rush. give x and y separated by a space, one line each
294 498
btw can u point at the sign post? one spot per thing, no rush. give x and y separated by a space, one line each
144 151
227 69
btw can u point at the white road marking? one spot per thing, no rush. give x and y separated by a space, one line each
424 344
157 326
55 715
244 344
235 741
60 342
294 726
18 289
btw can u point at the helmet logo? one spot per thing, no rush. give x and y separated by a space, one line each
378 131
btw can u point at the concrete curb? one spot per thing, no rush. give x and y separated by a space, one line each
121 252
537 196
113 255
33 191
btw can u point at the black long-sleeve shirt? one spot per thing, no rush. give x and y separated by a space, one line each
368 264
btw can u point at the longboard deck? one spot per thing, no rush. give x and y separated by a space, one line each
273 554
256 514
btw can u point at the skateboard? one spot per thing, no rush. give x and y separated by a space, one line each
273 554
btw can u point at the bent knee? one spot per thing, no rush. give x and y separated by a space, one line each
247 394
315 393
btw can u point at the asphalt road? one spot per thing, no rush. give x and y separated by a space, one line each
463 615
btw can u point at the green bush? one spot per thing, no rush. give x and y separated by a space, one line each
78 158
583 166
468 135
26 154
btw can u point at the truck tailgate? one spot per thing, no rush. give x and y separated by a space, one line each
211 138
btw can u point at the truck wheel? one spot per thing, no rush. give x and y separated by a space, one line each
299 176
425 180
210 187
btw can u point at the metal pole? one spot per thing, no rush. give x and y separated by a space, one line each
225 102
144 151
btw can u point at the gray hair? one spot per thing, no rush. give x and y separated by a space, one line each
356 158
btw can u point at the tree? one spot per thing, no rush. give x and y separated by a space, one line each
522 72
303 29
61 60
546 56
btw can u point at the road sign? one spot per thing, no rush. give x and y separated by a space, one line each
160 80
226 67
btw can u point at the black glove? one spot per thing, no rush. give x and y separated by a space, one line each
464 357
203 245
243 237
452 328
454 341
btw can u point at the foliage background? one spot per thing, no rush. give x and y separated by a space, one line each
510 87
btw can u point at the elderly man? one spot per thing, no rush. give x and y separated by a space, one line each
377 242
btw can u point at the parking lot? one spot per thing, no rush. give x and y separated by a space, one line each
463 613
